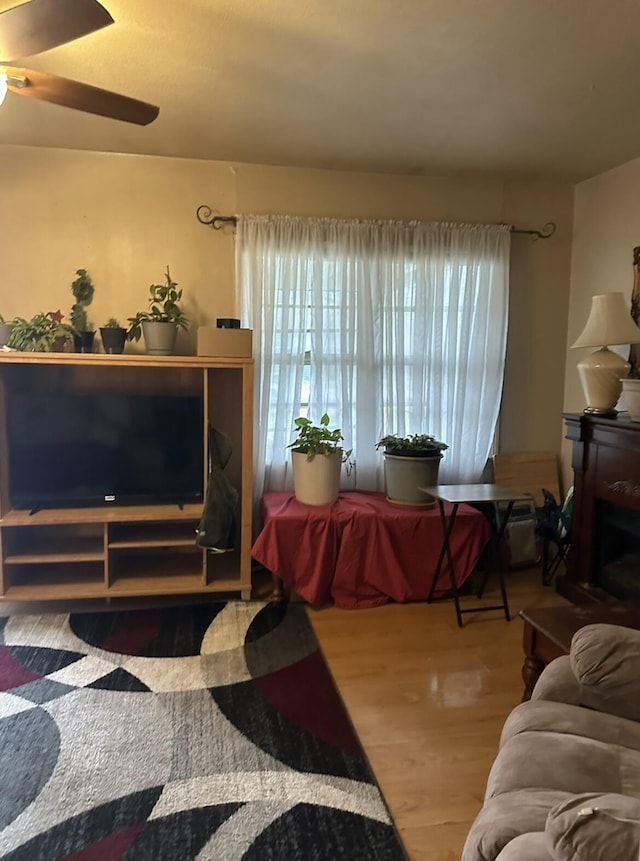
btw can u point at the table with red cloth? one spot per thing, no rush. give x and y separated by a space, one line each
363 550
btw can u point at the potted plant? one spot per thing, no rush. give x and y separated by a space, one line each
82 289
41 334
113 336
5 330
317 456
161 322
411 462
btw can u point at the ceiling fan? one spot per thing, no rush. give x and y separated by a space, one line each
39 25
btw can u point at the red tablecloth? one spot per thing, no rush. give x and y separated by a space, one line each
363 551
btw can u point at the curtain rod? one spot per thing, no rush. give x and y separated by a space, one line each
206 216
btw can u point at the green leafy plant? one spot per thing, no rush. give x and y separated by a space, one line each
393 443
112 323
318 439
82 289
79 318
39 334
164 307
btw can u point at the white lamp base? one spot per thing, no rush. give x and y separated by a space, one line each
601 376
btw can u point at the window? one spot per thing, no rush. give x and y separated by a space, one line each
388 327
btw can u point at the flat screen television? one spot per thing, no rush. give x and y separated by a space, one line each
101 448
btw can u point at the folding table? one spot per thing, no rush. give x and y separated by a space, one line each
476 495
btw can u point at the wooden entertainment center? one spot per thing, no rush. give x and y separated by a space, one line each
127 550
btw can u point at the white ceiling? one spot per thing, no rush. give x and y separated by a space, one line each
540 88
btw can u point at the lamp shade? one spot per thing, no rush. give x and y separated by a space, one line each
609 322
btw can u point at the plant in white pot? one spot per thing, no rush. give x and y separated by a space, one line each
631 393
5 330
317 456
161 322
411 462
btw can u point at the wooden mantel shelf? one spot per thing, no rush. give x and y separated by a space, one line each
122 360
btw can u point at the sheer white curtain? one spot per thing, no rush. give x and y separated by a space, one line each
390 327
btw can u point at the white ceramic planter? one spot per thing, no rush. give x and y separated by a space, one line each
316 481
5 331
159 338
631 396
404 475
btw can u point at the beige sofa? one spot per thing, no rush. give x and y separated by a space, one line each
565 785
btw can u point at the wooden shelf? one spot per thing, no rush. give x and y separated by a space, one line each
141 585
62 549
150 561
127 550
103 514
163 534
44 558
54 581
127 360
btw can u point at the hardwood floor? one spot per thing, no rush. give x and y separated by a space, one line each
428 701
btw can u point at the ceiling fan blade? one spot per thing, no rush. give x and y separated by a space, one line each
39 25
82 97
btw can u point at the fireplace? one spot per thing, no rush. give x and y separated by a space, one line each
604 559
617 551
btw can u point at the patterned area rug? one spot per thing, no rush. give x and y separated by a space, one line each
210 732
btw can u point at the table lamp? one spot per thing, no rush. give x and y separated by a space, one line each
601 373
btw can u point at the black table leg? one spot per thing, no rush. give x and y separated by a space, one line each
445 550
500 560
497 534
498 527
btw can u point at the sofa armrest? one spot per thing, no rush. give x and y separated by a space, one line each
605 660
557 683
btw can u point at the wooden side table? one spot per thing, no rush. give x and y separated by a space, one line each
548 631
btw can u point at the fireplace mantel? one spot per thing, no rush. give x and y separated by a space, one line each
605 535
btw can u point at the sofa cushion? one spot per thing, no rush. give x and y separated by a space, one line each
504 818
526 847
543 716
562 762
606 663
558 682
593 827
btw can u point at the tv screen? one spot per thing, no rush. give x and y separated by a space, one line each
94 448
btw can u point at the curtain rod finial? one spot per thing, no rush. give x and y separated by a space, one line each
548 230
205 215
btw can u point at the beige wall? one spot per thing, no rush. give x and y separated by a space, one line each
124 218
606 230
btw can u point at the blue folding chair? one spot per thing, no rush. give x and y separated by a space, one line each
554 528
